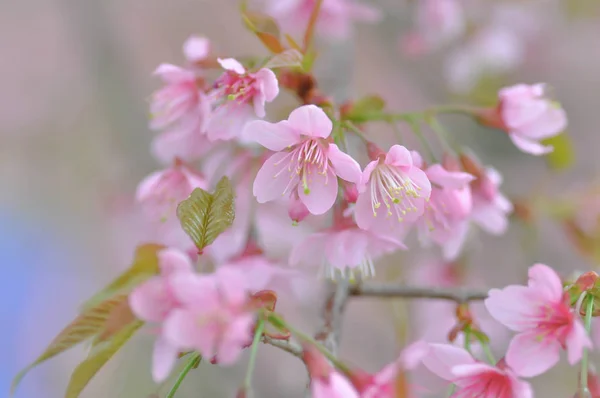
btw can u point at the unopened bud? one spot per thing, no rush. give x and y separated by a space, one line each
350 192
266 299
297 209
374 151
586 281
316 364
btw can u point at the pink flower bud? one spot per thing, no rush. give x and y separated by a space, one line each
296 208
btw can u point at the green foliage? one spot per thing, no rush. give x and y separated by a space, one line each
287 59
363 109
265 28
563 155
204 216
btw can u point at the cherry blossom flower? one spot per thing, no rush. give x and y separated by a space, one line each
541 314
326 382
335 17
344 250
214 318
444 220
437 23
187 145
181 105
154 300
528 116
391 180
239 96
472 378
162 191
304 160
196 48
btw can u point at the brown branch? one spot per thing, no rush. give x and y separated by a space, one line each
289 346
460 295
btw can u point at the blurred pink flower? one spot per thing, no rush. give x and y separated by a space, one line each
196 48
528 116
161 192
181 105
326 382
542 315
437 23
304 160
187 145
343 250
444 220
394 181
214 317
154 300
473 378
335 17
490 207
239 96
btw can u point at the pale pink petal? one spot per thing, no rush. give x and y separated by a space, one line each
273 136
412 355
184 145
528 146
148 185
237 334
228 121
269 84
552 122
232 286
453 246
273 178
399 156
577 340
164 358
490 218
474 369
310 251
323 190
546 282
196 48
173 74
344 165
184 329
366 175
310 120
150 301
442 358
363 211
232 64
529 356
419 178
194 290
512 306
172 260
520 388
447 179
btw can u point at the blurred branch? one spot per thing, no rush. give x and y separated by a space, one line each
330 331
460 295
284 345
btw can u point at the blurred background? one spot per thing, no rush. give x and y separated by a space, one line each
75 79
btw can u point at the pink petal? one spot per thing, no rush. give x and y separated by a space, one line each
172 260
344 165
310 120
476 369
310 251
269 84
173 74
419 178
150 301
412 355
164 358
194 290
323 190
551 122
512 306
447 179
183 328
148 185
530 357
237 334
443 357
577 340
273 178
258 103
180 144
399 156
347 248
273 136
490 218
196 48
366 175
546 282
232 64
528 146
363 210
232 286
228 121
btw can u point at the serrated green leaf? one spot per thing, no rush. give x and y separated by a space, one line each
204 216
563 155
86 370
287 59
90 323
145 265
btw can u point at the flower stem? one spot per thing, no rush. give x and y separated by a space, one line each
279 322
583 386
468 341
260 327
488 353
416 128
193 361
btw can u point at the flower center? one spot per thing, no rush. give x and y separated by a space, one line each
303 161
234 87
393 188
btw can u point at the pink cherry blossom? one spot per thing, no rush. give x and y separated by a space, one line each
187 145
335 17
490 207
196 48
541 314
472 378
391 180
326 382
162 191
444 220
305 160
154 300
343 250
437 23
529 117
239 96
214 317
181 105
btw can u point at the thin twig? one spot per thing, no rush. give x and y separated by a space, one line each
289 346
330 331
460 295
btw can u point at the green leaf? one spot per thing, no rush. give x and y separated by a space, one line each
287 59
145 265
265 28
204 216
361 109
563 155
90 323
87 369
